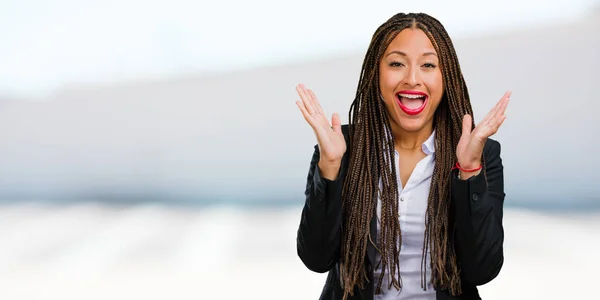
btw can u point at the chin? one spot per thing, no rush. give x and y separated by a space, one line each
411 125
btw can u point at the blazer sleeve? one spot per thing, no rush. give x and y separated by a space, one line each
318 236
479 234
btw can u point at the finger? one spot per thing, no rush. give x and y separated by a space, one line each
315 102
492 126
305 113
494 111
491 123
306 99
504 104
304 96
495 125
500 105
500 122
336 123
466 124
500 117
490 115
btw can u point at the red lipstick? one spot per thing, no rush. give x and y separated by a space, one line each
411 102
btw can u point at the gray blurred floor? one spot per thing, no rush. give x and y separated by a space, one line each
91 251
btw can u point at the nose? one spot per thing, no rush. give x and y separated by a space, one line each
412 77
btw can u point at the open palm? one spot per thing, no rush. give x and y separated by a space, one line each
330 138
470 146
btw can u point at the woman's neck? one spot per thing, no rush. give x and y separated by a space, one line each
411 140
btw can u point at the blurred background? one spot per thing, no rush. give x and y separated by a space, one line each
153 150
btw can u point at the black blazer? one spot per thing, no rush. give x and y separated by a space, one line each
476 215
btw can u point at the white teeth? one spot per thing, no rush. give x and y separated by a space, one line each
411 96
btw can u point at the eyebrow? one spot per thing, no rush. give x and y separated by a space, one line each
404 54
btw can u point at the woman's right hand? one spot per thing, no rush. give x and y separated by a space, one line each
330 138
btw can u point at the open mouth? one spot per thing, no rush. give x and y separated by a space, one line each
412 102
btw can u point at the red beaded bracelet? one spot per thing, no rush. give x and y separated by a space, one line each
457 166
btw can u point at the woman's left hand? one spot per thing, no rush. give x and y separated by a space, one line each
469 150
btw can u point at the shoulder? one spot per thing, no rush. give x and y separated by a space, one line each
346 132
491 146
345 128
491 151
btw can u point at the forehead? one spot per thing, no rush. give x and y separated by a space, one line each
412 42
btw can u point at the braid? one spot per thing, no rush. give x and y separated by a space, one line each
372 172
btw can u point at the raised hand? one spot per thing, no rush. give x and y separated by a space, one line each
330 138
469 150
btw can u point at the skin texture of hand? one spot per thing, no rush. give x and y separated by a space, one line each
330 138
469 150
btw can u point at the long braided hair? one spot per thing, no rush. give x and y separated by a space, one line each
372 172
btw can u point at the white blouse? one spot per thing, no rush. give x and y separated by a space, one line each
412 211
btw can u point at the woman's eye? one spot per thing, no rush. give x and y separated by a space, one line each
429 65
395 64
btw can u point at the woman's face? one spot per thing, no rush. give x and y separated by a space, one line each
410 80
